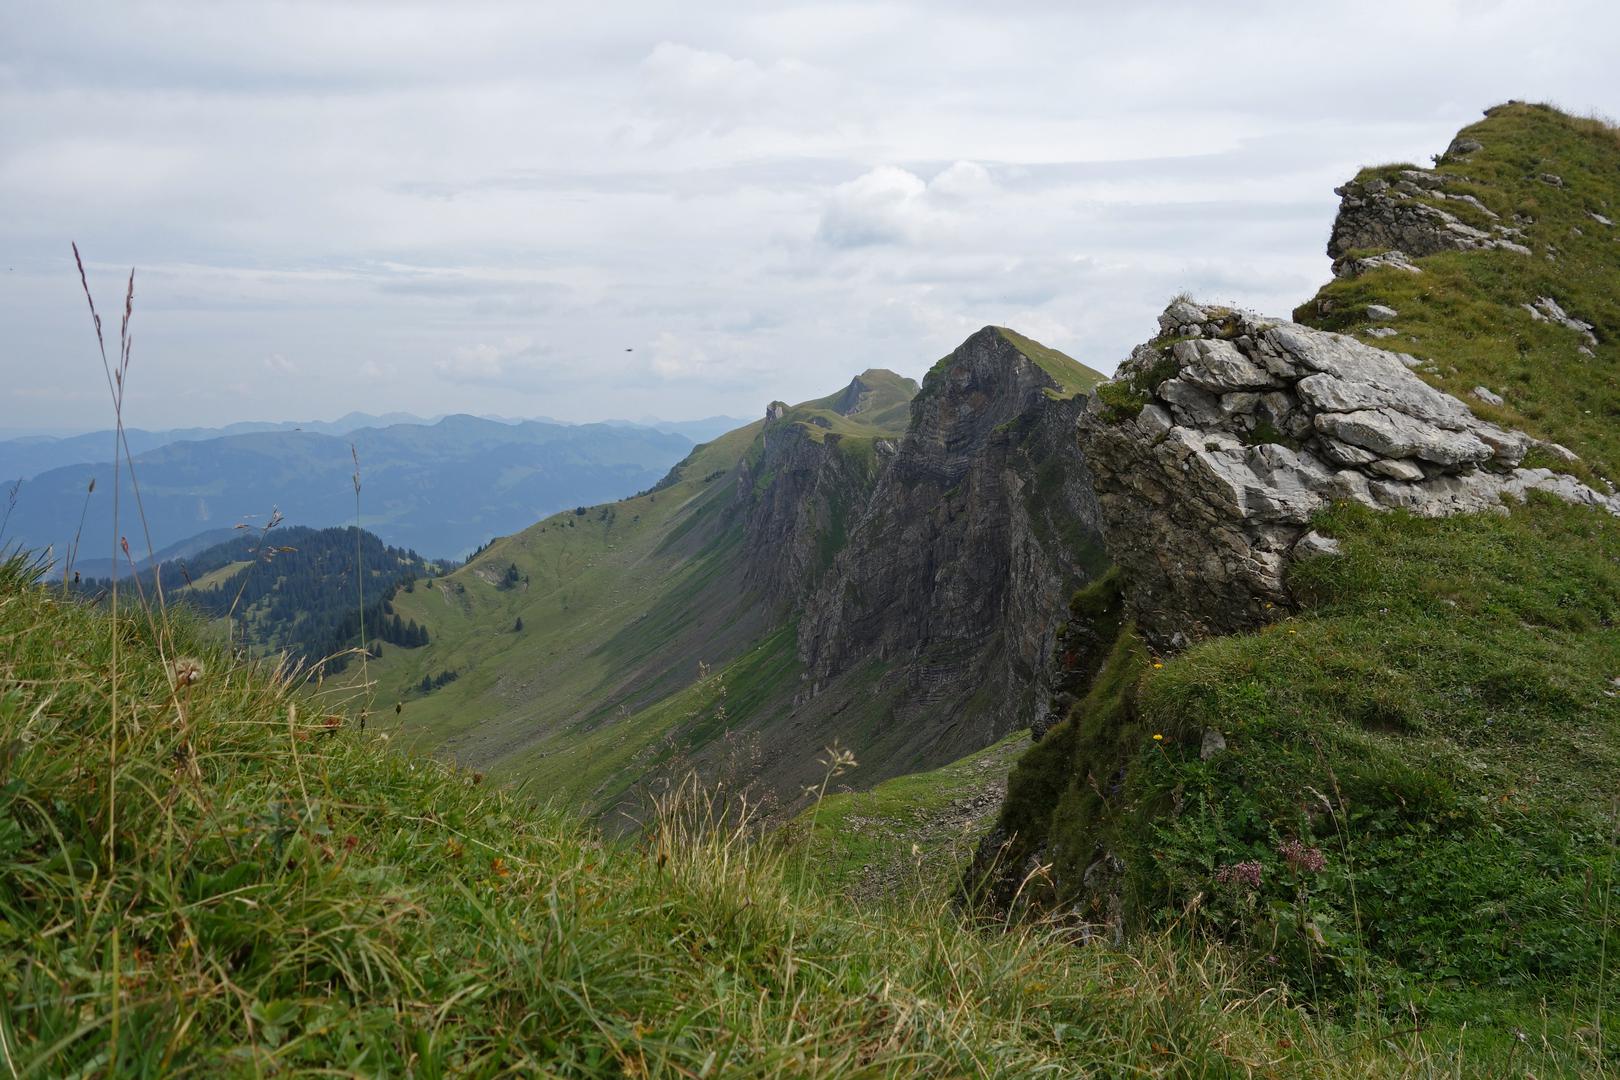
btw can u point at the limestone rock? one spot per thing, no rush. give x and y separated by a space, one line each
1208 493
1461 148
1381 312
1546 309
1349 267
1489 397
1313 545
1401 219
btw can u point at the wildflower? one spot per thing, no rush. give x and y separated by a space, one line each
186 670
1243 873
500 868
1300 858
1157 665
1158 737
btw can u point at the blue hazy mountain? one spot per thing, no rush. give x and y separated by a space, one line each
439 488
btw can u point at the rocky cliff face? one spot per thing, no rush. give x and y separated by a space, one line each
958 566
1220 439
1396 219
798 493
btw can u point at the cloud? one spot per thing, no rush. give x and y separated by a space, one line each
891 205
963 180
885 206
692 89
485 362
675 357
494 200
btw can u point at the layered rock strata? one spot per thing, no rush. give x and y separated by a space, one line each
1398 219
1218 442
981 524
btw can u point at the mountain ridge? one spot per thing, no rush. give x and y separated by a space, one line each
712 667
482 478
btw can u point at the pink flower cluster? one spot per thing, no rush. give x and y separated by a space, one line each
1243 873
1306 860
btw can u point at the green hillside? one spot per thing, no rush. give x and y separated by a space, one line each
1414 808
597 592
635 623
239 884
226 881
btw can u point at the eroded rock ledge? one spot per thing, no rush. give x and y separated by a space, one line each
1217 442
1397 218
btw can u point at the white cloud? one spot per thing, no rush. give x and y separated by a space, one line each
884 206
495 200
963 180
891 205
487 362
674 357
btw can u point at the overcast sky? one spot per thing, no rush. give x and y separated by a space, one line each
481 207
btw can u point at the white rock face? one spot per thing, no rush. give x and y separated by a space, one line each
1546 309
1255 424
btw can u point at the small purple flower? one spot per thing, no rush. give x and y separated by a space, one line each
1302 859
1243 873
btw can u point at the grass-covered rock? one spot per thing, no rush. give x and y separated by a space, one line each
1401 799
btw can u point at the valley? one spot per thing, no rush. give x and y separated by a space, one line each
1252 711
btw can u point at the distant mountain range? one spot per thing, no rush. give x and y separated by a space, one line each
441 488
27 455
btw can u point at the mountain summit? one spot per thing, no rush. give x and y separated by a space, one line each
872 568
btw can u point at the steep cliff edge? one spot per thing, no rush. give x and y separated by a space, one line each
1362 711
980 524
811 469
879 568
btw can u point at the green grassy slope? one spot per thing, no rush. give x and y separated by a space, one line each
630 613
598 593
912 832
1464 313
218 879
1073 376
1441 720
1070 374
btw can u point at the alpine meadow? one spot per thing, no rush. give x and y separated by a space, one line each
1243 702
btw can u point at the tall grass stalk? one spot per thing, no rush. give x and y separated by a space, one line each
11 504
1604 924
360 584
73 549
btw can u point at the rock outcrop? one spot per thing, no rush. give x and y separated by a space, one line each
1218 442
797 496
1397 218
981 524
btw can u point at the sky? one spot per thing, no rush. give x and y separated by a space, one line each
590 211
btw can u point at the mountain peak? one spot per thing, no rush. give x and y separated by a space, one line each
873 389
991 352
